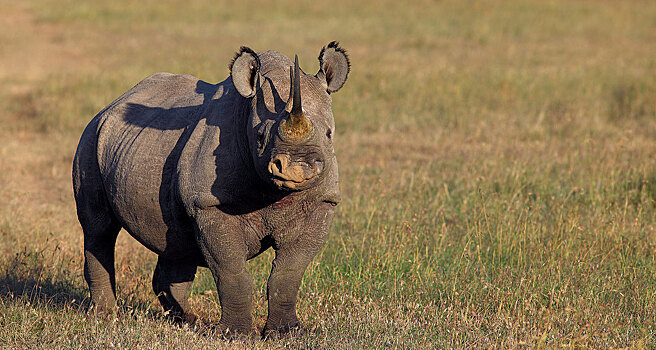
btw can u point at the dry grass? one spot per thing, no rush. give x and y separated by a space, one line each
497 166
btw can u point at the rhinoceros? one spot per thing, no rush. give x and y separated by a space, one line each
212 175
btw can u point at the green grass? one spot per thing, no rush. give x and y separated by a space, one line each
496 162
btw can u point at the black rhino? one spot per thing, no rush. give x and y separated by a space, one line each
213 175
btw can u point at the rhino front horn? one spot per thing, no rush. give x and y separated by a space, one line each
296 126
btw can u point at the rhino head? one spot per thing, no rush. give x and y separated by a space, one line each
290 122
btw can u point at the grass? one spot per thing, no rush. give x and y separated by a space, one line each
496 161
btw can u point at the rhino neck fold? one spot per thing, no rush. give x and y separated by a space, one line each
242 111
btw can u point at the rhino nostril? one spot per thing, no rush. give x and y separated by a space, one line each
277 163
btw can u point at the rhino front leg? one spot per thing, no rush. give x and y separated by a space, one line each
282 291
225 255
235 287
171 282
287 271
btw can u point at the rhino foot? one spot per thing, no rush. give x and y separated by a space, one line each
104 313
288 330
180 319
236 334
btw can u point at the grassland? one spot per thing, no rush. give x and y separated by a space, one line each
497 164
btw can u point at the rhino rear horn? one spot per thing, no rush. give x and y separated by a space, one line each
245 72
334 66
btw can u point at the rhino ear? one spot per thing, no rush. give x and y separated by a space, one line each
334 66
245 71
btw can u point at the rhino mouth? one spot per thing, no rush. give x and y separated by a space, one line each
297 175
289 184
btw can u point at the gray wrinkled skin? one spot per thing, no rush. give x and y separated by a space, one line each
200 175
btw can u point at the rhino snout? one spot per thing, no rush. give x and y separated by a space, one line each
292 174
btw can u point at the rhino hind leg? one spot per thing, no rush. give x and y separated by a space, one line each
100 229
99 225
172 282
99 266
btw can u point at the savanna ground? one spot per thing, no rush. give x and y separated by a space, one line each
496 160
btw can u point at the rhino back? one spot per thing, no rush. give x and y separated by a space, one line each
140 139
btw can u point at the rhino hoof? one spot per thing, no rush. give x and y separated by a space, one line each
236 334
290 330
104 313
181 319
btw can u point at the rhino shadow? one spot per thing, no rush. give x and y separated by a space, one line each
26 277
